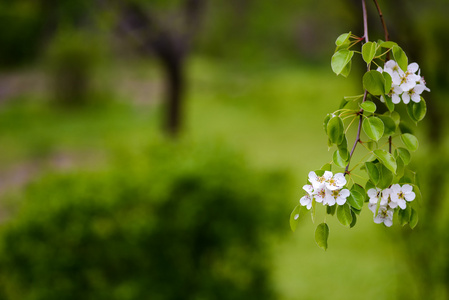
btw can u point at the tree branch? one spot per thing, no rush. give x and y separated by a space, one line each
382 20
360 113
388 53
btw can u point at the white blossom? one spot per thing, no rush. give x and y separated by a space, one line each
337 196
319 181
306 201
400 194
321 195
374 195
384 214
413 94
326 189
407 84
336 182
394 94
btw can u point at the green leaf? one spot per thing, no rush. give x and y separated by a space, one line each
346 70
343 145
370 145
400 57
369 185
326 121
386 159
389 103
405 128
321 235
373 172
388 44
335 130
330 210
368 51
340 59
373 127
319 172
388 82
374 82
396 118
410 141
413 219
404 215
390 125
326 167
343 103
368 106
341 158
404 154
343 39
417 191
356 199
417 111
294 217
385 177
360 189
400 167
354 219
344 214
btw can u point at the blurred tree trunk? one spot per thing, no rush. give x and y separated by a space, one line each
171 44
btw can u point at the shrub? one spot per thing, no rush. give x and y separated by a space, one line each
180 223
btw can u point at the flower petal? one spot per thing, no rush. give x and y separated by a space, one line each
413 67
388 222
407 188
395 98
406 98
409 196
305 200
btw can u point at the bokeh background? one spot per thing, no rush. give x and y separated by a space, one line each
154 149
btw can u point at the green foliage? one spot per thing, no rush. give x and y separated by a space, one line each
410 141
340 60
335 130
369 51
387 159
400 57
389 125
417 111
341 157
344 214
294 217
321 235
356 199
373 128
177 223
374 83
368 106
72 59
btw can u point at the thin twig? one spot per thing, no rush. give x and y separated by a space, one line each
382 20
387 57
359 129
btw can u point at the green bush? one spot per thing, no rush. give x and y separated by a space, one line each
179 223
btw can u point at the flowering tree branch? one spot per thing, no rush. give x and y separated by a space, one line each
389 184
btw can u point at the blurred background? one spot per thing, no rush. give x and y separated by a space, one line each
154 149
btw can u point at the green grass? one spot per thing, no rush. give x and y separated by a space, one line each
274 116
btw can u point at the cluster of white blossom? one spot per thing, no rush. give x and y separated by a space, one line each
408 84
389 198
326 189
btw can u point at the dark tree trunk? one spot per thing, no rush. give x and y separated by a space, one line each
175 85
171 46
